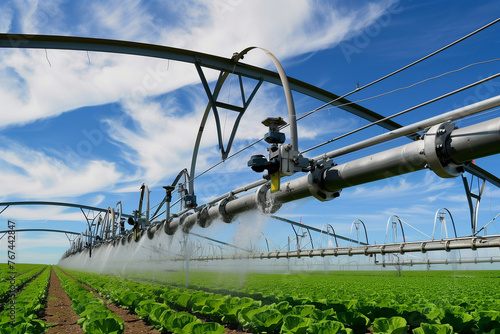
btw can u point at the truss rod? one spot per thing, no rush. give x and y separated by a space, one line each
316 229
411 135
71 205
416 127
217 241
411 64
42 230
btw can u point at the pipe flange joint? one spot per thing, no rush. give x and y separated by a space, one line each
474 244
435 151
150 231
170 228
203 217
315 180
226 217
186 227
447 245
265 201
422 247
182 219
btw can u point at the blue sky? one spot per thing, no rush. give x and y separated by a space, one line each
90 128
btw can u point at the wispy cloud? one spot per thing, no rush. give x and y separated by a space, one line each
45 83
300 29
416 210
40 84
27 173
126 20
6 17
43 213
28 247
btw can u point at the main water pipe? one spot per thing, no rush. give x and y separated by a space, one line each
461 146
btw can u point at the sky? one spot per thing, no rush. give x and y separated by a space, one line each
90 128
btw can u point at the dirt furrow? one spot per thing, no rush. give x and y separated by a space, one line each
58 311
132 323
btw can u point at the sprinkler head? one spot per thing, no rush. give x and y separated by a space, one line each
274 136
258 163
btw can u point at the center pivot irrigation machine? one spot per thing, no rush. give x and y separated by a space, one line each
435 143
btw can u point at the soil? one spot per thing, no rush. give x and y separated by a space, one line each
132 323
64 320
58 311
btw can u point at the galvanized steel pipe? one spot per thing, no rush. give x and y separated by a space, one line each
462 145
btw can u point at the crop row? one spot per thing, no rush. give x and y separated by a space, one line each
20 315
472 291
467 301
95 316
158 302
405 305
142 299
20 268
16 283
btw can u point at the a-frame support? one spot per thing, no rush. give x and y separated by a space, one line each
214 104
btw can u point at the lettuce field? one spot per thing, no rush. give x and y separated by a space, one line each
332 302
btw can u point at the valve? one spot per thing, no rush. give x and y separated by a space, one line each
274 136
188 199
258 162
282 160
168 199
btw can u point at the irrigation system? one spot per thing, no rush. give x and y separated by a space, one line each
435 143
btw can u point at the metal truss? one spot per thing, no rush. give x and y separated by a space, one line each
419 155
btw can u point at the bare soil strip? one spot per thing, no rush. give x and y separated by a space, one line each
58 311
132 318
132 323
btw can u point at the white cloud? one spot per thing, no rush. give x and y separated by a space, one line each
46 83
40 84
70 81
37 247
27 241
99 199
6 17
27 173
416 210
126 20
43 213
